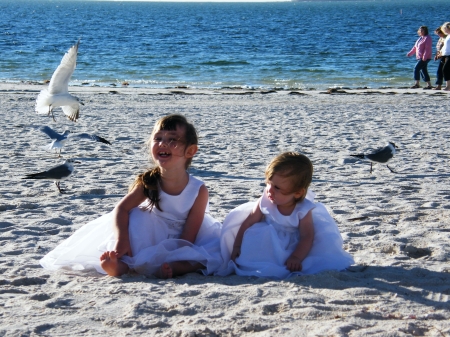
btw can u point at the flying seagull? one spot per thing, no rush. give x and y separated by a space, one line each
382 155
57 93
59 139
56 173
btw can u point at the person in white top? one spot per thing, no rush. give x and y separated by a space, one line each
445 55
285 233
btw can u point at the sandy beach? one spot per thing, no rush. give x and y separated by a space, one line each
396 225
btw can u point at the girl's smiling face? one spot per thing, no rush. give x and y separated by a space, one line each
279 191
168 146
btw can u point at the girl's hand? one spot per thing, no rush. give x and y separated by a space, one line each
122 248
254 217
121 220
236 252
306 229
293 263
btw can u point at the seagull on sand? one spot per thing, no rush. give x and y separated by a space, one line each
382 155
59 139
56 173
57 93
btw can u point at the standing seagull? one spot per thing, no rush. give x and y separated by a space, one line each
382 155
56 173
57 93
58 139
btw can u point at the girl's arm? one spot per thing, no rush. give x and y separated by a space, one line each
254 217
306 228
195 216
121 220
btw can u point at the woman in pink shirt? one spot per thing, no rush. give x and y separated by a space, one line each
424 52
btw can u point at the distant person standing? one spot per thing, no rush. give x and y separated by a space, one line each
445 55
424 51
437 57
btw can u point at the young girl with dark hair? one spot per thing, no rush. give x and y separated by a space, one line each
161 227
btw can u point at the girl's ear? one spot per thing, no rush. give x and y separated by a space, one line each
300 194
191 150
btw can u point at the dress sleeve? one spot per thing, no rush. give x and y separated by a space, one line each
264 203
303 208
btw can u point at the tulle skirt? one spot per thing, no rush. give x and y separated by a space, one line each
154 241
265 248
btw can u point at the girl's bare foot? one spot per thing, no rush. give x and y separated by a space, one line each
165 271
446 89
437 88
112 265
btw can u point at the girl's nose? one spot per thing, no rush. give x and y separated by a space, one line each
163 142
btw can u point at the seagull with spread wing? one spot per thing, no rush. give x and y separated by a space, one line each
57 93
59 139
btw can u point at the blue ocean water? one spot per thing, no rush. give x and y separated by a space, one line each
304 44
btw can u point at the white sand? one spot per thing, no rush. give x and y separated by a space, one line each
399 286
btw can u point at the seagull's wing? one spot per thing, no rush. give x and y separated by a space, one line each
53 145
381 155
72 111
59 82
91 137
56 173
51 133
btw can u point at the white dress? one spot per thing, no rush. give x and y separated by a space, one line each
266 245
154 238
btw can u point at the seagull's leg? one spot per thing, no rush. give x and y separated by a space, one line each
370 167
50 111
390 169
57 183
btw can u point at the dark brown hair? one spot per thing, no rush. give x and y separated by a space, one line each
150 179
295 166
425 29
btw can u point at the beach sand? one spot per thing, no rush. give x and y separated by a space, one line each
397 226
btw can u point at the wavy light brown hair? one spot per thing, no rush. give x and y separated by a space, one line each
295 166
150 179
446 28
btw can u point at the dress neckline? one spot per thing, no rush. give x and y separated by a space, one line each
176 195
